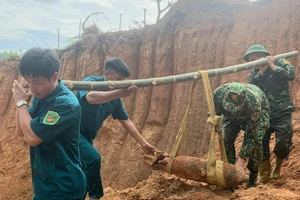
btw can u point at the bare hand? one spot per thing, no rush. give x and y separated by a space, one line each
27 89
128 91
19 93
271 61
262 69
148 148
240 164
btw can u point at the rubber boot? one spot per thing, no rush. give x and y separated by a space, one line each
277 167
252 180
265 171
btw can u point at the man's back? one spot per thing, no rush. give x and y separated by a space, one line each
93 115
254 101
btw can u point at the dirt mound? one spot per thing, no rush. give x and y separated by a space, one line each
194 35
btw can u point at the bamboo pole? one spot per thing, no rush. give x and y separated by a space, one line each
112 85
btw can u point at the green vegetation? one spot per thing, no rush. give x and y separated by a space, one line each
9 54
71 42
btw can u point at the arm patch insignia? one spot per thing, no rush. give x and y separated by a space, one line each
51 118
285 62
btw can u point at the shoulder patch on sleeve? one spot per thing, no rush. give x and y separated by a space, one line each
51 118
285 62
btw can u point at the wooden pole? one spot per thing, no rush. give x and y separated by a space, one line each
144 22
112 85
58 36
120 22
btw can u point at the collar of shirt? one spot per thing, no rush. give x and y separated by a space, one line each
55 92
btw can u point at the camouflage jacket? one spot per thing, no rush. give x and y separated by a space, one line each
250 103
275 84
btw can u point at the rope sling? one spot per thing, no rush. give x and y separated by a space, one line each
214 167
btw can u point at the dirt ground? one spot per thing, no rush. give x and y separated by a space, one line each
194 35
161 185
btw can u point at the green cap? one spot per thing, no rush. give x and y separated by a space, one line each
257 48
235 97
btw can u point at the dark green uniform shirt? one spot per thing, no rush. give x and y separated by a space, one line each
93 115
244 107
250 105
55 163
275 84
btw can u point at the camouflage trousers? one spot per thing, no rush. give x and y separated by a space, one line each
283 129
252 147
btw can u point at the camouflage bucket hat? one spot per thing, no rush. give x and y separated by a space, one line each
235 97
257 48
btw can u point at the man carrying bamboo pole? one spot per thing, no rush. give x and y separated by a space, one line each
96 107
273 79
243 107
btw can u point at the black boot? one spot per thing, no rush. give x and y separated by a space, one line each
252 180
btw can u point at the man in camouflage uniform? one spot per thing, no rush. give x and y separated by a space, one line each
244 107
273 79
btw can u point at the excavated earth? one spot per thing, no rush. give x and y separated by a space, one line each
193 35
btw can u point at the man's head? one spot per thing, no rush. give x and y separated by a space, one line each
255 52
40 68
235 97
115 69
